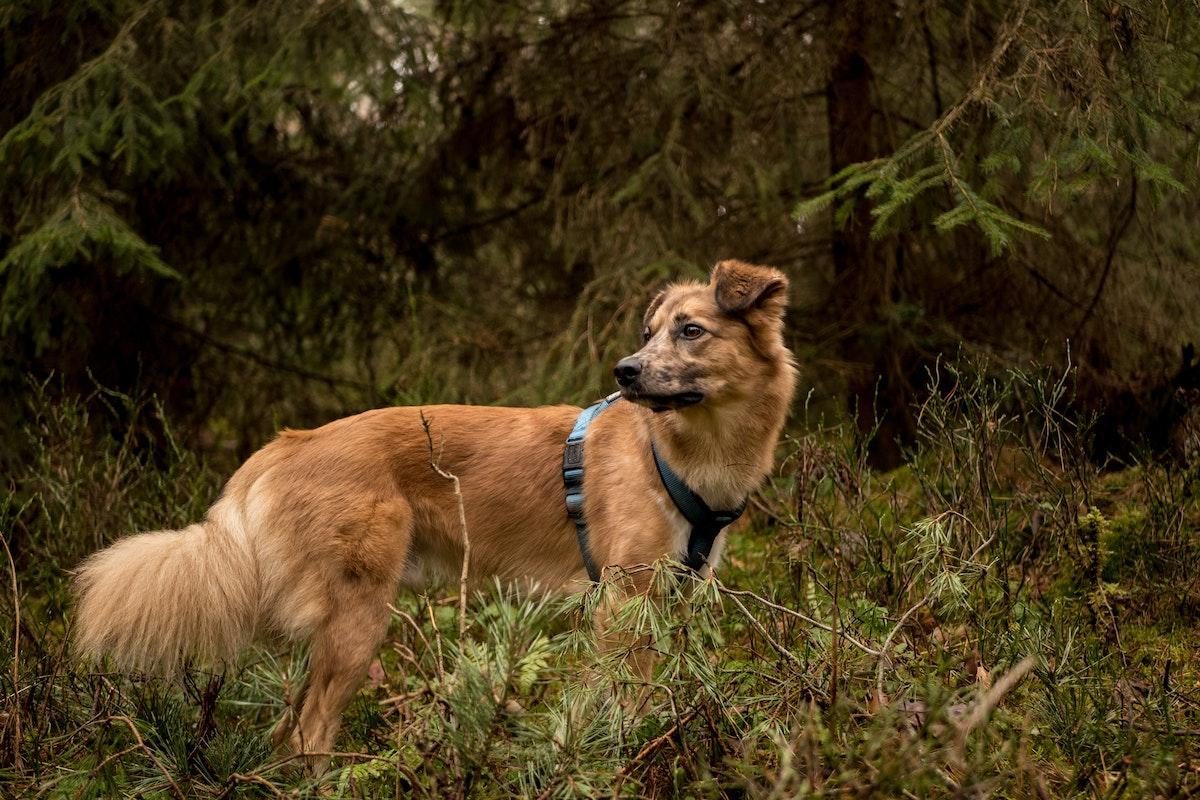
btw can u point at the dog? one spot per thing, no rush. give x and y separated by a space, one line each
314 533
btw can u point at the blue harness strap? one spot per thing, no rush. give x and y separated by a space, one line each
706 523
572 470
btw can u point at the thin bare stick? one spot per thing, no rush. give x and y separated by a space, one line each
437 639
804 618
401 699
119 754
50 784
723 589
16 660
142 744
404 615
257 779
409 655
759 626
462 523
883 657
989 701
290 757
651 746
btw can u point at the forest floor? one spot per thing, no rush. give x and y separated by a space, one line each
1000 617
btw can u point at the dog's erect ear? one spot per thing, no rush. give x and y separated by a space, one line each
654 304
742 287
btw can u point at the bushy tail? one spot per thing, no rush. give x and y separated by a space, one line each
153 600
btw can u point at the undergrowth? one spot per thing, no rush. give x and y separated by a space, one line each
1000 617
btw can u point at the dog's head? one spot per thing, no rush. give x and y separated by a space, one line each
709 343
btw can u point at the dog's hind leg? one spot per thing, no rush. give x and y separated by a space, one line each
348 638
341 653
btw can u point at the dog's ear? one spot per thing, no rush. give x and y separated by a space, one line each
740 288
654 304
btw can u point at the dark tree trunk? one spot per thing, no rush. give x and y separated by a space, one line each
865 268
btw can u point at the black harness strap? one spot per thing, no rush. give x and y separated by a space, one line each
706 523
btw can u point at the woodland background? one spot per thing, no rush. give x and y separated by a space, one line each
220 218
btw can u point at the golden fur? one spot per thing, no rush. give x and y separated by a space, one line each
314 533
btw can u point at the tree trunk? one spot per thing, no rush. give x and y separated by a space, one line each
864 268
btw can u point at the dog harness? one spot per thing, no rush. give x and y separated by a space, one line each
706 523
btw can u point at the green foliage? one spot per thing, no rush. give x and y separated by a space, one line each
275 212
83 229
855 645
1020 119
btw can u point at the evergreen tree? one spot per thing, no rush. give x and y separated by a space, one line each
270 212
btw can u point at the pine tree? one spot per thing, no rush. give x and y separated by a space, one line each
288 210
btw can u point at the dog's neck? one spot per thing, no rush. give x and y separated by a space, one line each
724 453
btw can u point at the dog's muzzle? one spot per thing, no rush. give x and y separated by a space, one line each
629 375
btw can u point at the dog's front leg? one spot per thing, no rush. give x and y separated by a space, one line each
625 647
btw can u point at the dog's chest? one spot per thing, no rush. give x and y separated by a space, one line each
679 528
681 533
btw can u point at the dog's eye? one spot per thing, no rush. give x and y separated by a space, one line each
646 335
692 331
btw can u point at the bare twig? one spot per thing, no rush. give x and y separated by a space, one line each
255 778
50 784
649 748
254 356
16 659
437 640
725 590
402 699
142 744
800 616
1114 239
931 50
989 701
759 626
462 522
887 643
409 655
404 615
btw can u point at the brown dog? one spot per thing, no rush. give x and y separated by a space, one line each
313 534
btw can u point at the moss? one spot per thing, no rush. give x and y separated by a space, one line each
1124 543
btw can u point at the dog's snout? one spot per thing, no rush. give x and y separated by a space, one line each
627 370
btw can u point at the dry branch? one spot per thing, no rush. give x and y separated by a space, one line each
16 659
435 462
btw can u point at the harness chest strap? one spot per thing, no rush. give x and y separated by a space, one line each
706 523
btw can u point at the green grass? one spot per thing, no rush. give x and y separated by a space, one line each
998 618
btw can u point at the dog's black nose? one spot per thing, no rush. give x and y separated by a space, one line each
627 370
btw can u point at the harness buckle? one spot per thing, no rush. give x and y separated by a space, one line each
573 455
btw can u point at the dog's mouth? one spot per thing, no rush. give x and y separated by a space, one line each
659 403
